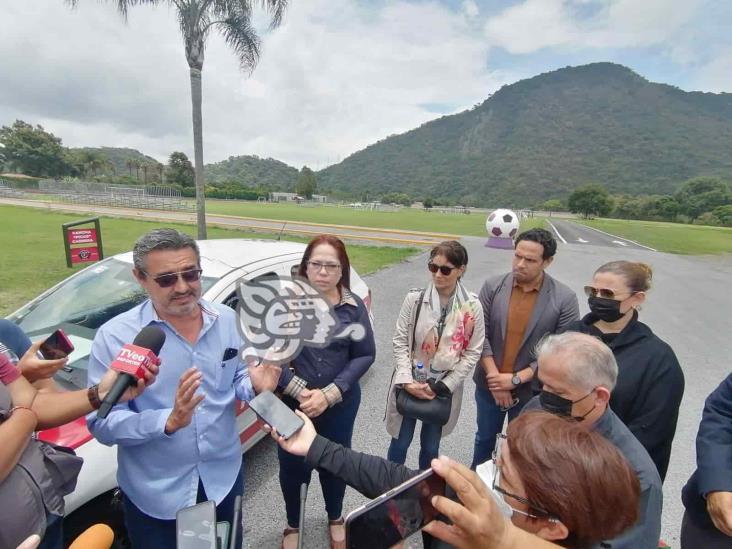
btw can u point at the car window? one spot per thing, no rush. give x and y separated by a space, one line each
232 300
89 299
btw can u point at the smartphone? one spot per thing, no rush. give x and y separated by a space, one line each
57 345
395 515
196 526
276 414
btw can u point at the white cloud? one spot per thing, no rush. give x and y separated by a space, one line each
470 8
716 76
335 77
533 25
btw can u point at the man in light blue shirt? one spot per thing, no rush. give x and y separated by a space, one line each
178 442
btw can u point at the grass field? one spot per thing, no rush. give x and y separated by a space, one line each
408 219
34 259
674 238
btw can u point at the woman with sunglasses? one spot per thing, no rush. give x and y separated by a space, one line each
650 380
324 382
440 328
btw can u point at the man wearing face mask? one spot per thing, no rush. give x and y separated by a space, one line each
579 373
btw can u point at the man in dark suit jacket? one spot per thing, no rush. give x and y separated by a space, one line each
707 496
519 308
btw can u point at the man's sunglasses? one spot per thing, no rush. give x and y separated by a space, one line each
591 291
444 269
170 279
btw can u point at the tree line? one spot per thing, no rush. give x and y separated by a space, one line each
701 200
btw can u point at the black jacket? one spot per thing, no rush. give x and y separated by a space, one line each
650 385
713 455
369 475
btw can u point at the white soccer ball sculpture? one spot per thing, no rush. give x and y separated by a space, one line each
502 223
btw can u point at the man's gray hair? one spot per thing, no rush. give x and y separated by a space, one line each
162 239
587 361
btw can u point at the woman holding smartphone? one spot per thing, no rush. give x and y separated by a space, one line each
324 383
439 336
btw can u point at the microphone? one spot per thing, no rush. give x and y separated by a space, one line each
99 536
131 362
303 499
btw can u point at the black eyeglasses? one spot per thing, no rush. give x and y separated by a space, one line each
539 512
170 279
444 269
607 293
330 268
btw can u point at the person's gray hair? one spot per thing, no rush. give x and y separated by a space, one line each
587 361
162 239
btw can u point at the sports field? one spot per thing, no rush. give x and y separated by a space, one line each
408 219
675 238
34 259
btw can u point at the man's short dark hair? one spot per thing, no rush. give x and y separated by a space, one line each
162 239
540 236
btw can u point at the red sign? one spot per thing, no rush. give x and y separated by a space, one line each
82 236
84 255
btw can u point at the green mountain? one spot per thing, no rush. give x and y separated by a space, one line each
252 171
119 157
542 137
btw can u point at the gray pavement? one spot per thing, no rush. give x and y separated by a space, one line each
688 307
569 232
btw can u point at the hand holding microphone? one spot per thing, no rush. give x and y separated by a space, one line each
134 368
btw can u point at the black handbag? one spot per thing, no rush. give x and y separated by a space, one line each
435 411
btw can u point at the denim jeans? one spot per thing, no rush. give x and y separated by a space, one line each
146 532
335 424
54 535
490 421
429 442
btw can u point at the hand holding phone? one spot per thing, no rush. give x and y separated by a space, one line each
396 515
56 346
276 414
298 444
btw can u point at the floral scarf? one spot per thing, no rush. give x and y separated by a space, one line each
444 353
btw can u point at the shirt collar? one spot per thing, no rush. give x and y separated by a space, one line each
347 298
149 315
535 287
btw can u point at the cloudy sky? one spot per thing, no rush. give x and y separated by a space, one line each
337 75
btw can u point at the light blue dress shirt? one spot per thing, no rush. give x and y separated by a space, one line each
158 472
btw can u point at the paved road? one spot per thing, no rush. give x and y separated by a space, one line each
575 233
688 307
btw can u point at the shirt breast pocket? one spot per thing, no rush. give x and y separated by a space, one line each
225 374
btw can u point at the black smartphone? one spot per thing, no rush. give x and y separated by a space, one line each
276 414
395 515
56 346
196 526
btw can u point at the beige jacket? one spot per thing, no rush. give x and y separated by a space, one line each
403 361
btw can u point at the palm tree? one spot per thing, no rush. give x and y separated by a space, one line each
232 18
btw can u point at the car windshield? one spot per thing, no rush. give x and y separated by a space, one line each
89 300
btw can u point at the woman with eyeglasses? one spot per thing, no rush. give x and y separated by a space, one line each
650 380
439 337
324 382
553 479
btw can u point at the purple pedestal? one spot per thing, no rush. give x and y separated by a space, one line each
501 243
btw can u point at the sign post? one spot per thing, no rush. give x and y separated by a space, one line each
82 245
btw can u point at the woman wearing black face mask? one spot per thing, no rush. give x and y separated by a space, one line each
650 380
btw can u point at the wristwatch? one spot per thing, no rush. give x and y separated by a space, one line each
516 380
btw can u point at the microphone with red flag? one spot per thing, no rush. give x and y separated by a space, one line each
131 362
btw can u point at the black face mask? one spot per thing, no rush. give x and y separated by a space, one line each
560 406
605 309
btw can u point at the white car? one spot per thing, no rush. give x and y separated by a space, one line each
83 302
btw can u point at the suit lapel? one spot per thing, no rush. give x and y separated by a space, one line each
504 297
